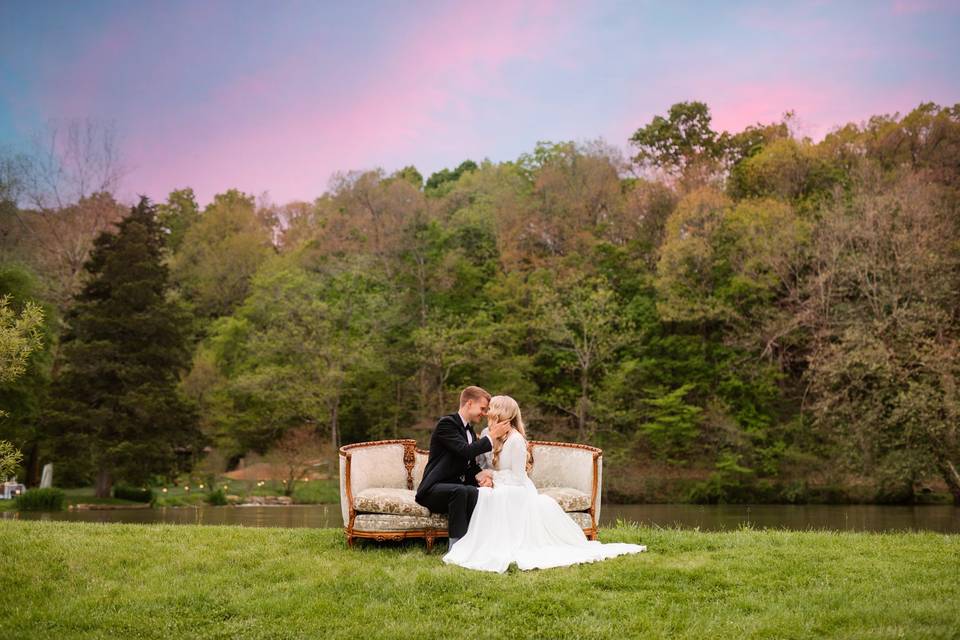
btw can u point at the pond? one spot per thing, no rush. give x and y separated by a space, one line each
941 518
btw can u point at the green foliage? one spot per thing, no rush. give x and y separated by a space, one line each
728 483
51 499
286 356
217 498
411 175
20 336
690 270
885 375
583 329
777 312
22 398
10 459
442 181
115 404
788 169
219 253
672 423
134 494
177 215
680 143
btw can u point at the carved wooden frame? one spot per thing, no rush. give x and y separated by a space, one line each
430 535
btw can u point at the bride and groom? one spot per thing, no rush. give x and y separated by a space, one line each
496 516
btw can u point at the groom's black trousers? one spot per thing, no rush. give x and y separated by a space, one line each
456 500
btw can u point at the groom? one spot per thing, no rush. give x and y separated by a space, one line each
452 475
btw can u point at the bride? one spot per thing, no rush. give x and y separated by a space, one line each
512 522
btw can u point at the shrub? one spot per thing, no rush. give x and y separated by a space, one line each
729 483
42 500
125 492
217 498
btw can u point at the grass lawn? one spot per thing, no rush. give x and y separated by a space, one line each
86 495
79 580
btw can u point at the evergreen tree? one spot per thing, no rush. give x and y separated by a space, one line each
117 411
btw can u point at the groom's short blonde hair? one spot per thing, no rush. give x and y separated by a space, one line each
473 393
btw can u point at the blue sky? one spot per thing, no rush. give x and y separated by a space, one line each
278 96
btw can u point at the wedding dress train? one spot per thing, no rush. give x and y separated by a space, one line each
512 522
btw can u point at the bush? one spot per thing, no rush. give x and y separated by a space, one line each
42 500
730 483
217 498
125 492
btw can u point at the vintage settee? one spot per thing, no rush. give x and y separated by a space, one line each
378 481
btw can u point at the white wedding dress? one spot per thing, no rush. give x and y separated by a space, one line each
512 522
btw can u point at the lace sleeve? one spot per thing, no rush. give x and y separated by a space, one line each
513 462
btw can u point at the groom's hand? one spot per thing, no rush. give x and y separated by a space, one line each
499 429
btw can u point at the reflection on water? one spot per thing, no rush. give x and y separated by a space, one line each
857 517
942 518
317 516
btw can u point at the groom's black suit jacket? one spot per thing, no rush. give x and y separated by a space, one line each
452 459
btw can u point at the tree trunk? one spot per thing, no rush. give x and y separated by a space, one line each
396 411
104 484
31 466
951 477
291 480
440 400
334 427
582 406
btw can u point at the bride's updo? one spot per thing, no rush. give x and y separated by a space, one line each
506 408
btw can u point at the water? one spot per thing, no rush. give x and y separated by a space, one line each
941 518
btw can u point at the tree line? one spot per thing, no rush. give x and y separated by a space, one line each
732 316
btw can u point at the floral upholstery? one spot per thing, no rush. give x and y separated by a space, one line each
389 500
383 522
368 522
569 499
555 466
582 519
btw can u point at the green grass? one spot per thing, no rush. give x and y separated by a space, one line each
86 495
317 492
77 580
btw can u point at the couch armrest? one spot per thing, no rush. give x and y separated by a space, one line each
384 463
562 464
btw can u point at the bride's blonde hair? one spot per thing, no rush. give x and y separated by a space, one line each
506 408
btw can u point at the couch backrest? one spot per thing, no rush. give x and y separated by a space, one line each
558 464
372 464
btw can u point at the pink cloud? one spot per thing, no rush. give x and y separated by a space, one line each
420 94
907 7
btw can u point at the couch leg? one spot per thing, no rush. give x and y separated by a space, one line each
429 544
349 541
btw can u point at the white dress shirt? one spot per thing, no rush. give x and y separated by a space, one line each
465 423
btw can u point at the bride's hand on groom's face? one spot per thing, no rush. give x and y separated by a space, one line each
499 429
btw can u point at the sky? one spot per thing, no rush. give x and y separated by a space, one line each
276 97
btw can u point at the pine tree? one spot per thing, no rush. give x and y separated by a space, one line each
117 411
